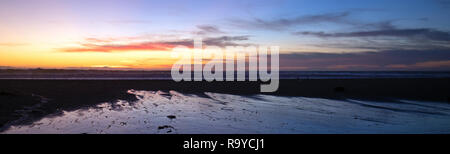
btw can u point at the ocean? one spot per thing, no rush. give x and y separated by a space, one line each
166 75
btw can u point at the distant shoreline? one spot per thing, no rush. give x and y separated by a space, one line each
56 74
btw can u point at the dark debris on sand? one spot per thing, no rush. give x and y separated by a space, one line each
165 127
171 117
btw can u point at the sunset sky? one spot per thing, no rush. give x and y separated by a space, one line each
312 35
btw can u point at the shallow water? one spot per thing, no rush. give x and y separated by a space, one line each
173 112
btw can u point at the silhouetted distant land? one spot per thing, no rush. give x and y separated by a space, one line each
7 67
140 74
39 73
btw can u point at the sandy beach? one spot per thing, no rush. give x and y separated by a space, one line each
164 106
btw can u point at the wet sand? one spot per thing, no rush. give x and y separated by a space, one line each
159 112
26 101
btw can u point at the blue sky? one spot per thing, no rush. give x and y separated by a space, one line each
330 28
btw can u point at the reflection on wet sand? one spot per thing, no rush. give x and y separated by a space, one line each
173 112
